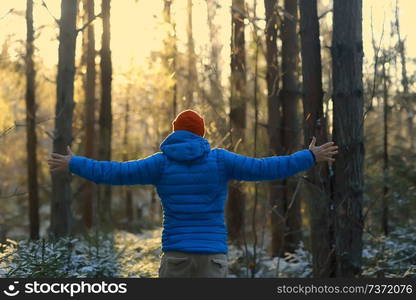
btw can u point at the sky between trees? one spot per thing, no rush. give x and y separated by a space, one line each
128 16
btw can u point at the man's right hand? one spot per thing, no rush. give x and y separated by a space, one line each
323 152
59 162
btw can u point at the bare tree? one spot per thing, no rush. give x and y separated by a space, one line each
214 69
61 215
31 138
215 51
288 97
408 98
257 41
385 202
170 52
348 181
191 85
274 120
89 117
315 124
236 197
105 120
128 192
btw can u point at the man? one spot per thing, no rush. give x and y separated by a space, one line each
191 180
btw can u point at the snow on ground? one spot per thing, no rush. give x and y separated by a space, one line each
125 254
141 253
141 256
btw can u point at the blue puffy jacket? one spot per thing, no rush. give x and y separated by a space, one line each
191 180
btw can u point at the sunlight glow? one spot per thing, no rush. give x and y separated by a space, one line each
137 31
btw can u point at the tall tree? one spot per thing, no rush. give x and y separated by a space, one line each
236 197
214 70
128 192
348 121
215 51
274 120
105 120
256 40
405 80
385 204
170 56
315 125
61 215
290 132
31 139
89 117
191 85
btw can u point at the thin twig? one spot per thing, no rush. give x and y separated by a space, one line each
88 23
15 125
325 13
49 12
17 193
376 58
6 14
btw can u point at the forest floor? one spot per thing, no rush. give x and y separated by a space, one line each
142 254
393 256
125 254
140 257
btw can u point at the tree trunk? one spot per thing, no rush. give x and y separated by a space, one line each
348 181
170 58
257 41
290 131
318 187
405 80
128 192
153 210
215 52
89 88
214 74
236 197
385 205
105 121
192 74
274 123
31 139
61 214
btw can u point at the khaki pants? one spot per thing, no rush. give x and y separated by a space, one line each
187 265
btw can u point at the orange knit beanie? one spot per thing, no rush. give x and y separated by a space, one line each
191 121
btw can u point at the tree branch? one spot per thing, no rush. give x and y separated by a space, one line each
325 13
6 14
88 23
376 61
47 8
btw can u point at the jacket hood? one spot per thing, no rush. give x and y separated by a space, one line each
183 145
